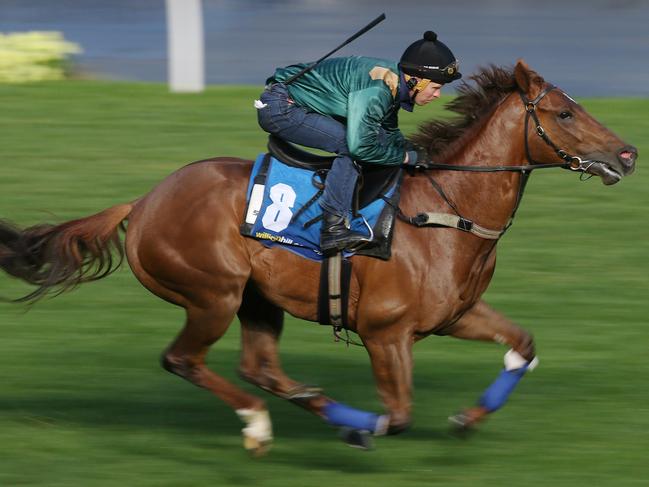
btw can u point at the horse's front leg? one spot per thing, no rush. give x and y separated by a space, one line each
391 357
484 323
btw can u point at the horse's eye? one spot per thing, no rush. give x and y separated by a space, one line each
565 115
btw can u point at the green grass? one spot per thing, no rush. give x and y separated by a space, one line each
84 402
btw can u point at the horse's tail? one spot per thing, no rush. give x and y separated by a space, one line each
57 258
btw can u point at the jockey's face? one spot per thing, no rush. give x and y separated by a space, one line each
431 92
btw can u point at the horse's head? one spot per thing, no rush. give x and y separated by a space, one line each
567 132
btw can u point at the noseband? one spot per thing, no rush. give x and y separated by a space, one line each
574 163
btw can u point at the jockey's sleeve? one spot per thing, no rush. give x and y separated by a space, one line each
369 137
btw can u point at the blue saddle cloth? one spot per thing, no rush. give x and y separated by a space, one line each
283 210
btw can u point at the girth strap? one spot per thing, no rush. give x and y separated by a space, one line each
333 294
454 221
335 301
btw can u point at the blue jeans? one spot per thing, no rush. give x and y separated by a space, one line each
283 118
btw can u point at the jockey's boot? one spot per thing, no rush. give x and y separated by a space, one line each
336 234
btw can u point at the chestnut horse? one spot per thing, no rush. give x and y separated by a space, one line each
183 244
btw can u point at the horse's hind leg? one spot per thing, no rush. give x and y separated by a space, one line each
185 357
484 323
261 327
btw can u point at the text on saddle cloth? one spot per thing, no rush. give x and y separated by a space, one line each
282 209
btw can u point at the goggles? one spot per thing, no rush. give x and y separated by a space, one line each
444 74
448 70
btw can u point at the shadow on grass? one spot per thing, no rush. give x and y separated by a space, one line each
163 403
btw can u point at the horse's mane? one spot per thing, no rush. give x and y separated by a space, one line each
474 101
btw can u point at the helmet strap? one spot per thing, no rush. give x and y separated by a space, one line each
422 84
411 82
416 84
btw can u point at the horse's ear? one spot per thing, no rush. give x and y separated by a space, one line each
527 79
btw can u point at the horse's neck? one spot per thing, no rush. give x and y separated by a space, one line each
489 199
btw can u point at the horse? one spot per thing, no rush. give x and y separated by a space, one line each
182 242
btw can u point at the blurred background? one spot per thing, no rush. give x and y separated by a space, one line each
588 47
87 121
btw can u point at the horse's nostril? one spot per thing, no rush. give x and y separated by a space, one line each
628 155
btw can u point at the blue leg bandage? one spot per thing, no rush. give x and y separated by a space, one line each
338 414
498 392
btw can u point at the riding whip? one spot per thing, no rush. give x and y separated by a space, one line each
369 26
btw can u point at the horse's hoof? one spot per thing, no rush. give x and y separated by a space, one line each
256 447
258 433
465 423
398 428
361 439
460 425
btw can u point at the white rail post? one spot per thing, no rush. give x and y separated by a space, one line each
185 41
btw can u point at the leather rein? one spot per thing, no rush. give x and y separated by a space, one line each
570 161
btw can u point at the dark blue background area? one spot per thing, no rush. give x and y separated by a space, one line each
588 47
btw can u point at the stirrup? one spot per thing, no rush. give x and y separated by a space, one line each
350 241
356 246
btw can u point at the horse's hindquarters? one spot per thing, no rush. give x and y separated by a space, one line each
183 241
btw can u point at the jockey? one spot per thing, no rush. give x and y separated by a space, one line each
348 106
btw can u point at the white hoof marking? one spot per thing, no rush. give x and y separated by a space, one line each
258 431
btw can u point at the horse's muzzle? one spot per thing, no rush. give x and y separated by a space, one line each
611 169
627 157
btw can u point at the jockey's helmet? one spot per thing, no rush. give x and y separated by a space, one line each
430 59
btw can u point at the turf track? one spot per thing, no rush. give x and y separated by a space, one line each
84 402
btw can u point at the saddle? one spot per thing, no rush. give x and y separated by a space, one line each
294 156
372 182
284 188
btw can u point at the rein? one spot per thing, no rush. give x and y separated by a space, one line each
570 161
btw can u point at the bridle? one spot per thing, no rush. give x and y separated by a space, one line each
572 162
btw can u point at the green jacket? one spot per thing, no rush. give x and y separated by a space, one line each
363 93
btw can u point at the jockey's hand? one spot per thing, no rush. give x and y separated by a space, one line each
416 158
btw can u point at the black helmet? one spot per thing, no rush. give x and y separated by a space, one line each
431 59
